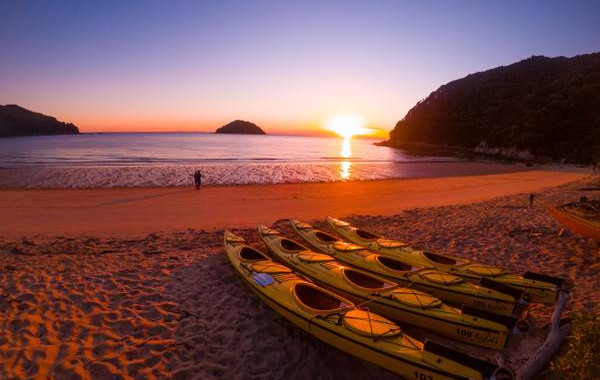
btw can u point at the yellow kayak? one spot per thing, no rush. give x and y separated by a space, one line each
338 322
540 287
447 287
388 298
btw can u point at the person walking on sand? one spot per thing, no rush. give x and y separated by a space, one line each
198 179
531 198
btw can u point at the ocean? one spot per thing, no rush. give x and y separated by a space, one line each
169 159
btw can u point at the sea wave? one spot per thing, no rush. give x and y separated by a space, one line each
85 177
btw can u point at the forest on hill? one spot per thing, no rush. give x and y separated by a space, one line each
18 121
537 108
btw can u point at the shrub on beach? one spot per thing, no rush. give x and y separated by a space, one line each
581 359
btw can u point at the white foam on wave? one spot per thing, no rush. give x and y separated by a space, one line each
181 175
85 177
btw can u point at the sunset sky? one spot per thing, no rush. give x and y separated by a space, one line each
287 66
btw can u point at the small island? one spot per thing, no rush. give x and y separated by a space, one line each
18 121
241 127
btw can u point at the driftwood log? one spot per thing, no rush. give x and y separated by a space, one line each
557 334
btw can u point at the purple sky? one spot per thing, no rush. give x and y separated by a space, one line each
288 66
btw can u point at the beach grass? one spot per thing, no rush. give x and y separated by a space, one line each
581 358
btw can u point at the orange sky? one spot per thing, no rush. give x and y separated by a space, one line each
204 123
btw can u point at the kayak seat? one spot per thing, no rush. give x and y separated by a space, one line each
441 277
372 325
485 270
365 282
386 243
416 298
313 257
343 246
316 300
393 264
249 254
269 267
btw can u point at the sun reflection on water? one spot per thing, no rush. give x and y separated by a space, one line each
345 152
345 170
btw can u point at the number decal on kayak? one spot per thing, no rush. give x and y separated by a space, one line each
464 332
492 306
422 376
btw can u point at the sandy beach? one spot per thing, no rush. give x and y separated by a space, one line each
127 212
133 283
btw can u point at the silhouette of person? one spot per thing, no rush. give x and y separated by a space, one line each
198 179
531 198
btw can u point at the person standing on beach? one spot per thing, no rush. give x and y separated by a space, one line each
198 179
531 198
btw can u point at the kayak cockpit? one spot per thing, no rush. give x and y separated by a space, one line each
392 264
292 246
325 237
318 301
442 259
366 282
249 254
366 235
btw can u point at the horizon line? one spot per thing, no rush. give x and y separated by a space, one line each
332 135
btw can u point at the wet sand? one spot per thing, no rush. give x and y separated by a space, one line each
168 305
128 212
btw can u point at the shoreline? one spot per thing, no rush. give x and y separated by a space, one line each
217 173
496 154
140 211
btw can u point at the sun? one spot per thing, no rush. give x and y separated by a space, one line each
346 125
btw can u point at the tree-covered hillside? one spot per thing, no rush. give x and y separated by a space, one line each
549 107
18 121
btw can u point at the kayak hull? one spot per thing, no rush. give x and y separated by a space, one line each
577 225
